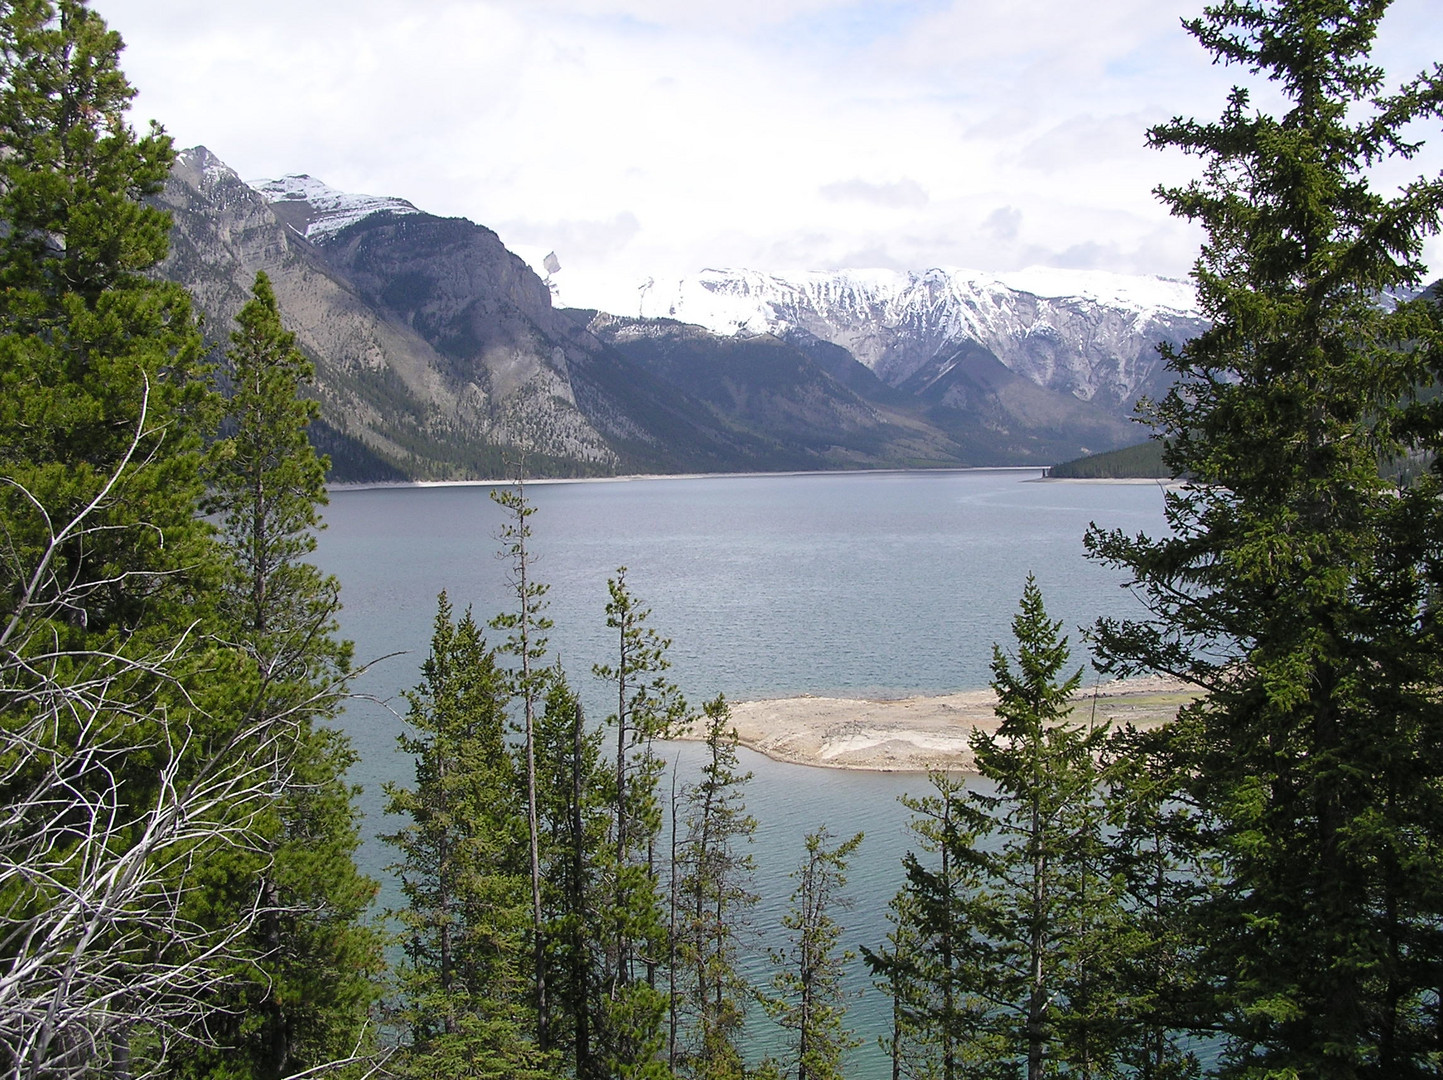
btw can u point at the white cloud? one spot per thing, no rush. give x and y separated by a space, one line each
652 138
1003 223
897 194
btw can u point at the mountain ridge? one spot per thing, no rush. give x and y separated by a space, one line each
1087 333
439 353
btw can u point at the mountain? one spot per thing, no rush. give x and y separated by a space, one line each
406 389
1086 334
438 352
798 413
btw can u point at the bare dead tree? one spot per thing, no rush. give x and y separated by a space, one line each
98 855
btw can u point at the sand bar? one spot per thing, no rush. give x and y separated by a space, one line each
920 733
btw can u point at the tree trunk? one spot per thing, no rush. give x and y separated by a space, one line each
580 968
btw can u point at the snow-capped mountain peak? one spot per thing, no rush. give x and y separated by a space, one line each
728 301
1088 333
328 210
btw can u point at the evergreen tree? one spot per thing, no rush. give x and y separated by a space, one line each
122 763
647 707
919 1044
100 395
305 997
1015 919
715 896
806 996
466 925
922 971
571 777
1155 858
1297 586
526 643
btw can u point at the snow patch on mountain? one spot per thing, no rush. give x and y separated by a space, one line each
732 301
330 210
1150 297
211 169
1087 333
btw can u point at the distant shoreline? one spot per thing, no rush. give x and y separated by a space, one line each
921 734
1158 480
377 485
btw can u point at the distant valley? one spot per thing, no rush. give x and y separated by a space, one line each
439 354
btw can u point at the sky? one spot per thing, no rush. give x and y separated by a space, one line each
654 138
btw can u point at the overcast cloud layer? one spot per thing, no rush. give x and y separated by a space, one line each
642 138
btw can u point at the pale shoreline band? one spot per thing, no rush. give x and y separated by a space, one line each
918 734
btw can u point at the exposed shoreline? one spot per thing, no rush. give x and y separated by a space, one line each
919 734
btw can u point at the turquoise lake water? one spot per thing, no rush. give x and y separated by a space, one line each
859 584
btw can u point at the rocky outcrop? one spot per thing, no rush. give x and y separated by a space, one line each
447 382
438 352
1091 336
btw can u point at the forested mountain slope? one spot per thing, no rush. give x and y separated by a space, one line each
439 354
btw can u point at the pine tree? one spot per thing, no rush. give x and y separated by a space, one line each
806 996
526 643
648 706
466 925
98 362
920 1043
715 894
1297 586
571 779
122 763
1013 919
305 998
922 971
1155 856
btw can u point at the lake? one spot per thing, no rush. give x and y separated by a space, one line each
857 584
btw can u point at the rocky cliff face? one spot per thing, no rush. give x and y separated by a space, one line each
1088 335
422 357
438 353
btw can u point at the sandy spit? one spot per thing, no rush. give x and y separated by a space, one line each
918 734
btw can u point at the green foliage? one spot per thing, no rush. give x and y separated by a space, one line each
1157 862
806 996
922 970
714 895
1297 586
526 643
466 922
648 705
1004 952
304 997
114 774
1143 461
267 486
571 779
100 398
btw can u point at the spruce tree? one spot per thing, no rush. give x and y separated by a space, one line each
102 404
806 996
1298 586
922 970
1013 914
122 765
466 927
305 997
715 895
526 627
647 707
571 780
1155 858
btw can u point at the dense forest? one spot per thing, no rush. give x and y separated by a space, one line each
1140 462
1253 890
